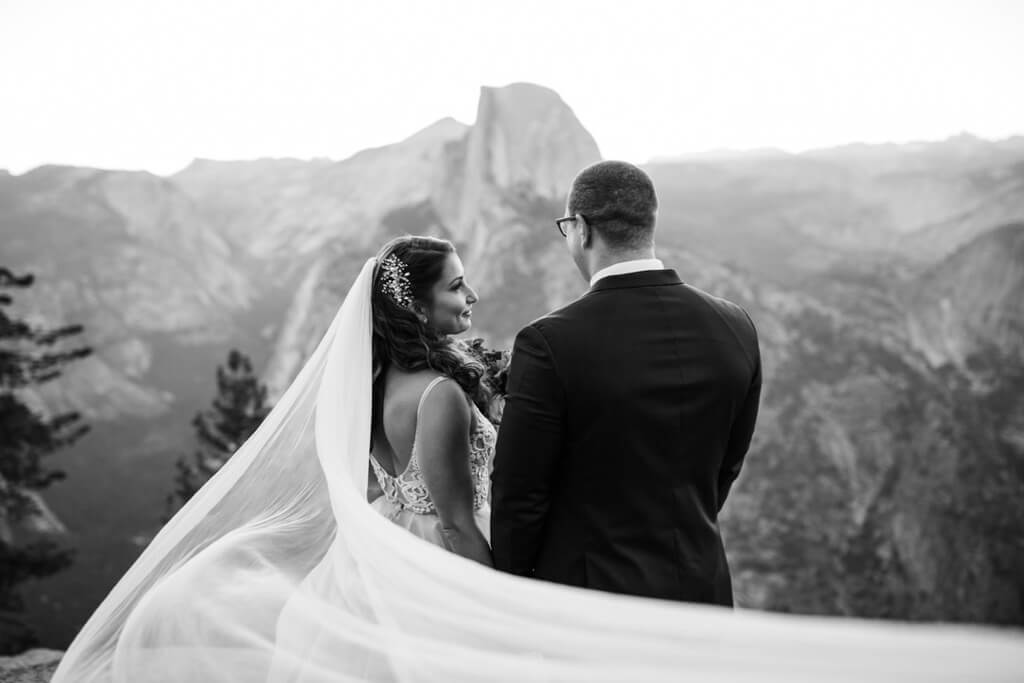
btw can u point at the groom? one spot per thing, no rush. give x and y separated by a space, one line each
628 414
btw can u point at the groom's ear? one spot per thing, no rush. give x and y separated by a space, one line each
586 233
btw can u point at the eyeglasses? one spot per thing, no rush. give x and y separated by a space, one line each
567 219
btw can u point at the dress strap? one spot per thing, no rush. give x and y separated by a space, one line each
423 396
419 410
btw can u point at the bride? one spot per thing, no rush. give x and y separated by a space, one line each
278 570
431 447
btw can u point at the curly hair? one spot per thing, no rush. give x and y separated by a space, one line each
619 200
400 338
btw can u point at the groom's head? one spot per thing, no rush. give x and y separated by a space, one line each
618 207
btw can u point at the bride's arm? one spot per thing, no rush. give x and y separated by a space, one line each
442 443
373 489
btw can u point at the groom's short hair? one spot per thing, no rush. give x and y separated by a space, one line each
618 200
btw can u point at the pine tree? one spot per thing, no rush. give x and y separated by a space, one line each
236 412
29 356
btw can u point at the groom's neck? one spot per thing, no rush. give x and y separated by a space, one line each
601 259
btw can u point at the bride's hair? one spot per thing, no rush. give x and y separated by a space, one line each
400 338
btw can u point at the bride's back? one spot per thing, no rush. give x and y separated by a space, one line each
394 423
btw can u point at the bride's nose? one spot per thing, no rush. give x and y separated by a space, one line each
471 297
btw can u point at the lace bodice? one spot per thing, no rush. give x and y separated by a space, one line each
408 491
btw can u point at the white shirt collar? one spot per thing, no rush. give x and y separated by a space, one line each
624 267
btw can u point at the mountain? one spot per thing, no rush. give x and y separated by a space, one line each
722 154
526 140
784 215
128 254
885 282
965 152
970 307
884 479
278 211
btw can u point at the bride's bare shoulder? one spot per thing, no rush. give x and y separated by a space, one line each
402 390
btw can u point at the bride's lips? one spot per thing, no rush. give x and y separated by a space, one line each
466 314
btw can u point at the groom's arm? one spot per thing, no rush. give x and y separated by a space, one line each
742 429
529 445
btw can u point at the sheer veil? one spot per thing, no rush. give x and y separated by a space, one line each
278 571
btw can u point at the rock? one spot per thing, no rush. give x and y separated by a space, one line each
31 666
970 304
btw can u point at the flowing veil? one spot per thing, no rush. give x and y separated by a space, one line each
278 571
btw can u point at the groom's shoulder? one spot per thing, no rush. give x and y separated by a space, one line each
558 320
549 322
717 302
736 315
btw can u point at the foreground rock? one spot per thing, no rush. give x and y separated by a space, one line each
32 666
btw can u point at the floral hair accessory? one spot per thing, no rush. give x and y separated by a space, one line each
394 280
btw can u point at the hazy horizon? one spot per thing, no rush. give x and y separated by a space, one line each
694 154
656 158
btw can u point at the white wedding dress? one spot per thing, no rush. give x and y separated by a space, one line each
278 571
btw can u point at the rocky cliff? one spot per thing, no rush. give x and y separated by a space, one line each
34 666
882 476
970 306
128 254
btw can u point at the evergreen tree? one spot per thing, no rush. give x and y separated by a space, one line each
29 356
236 412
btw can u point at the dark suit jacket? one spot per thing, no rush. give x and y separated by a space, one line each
628 415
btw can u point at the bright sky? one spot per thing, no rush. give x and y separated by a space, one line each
154 83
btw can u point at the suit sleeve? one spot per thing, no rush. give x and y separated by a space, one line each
530 442
742 429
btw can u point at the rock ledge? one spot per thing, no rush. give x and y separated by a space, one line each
31 666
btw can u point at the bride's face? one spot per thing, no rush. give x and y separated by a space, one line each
451 308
